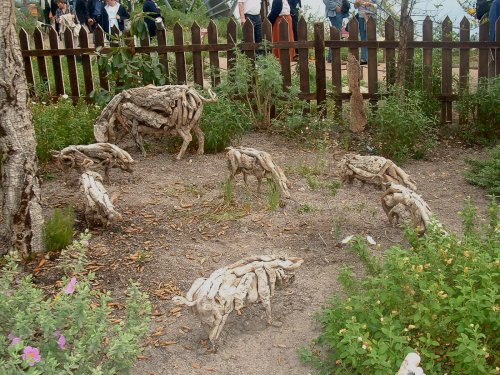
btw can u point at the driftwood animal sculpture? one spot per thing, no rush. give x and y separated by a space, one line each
85 157
235 287
99 209
250 161
399 200
358 114
156 110
375 170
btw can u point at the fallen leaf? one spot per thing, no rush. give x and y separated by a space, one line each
196 365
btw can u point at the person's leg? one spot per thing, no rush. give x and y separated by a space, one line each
362 33
257 27
337 23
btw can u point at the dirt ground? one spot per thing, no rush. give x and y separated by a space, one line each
176 228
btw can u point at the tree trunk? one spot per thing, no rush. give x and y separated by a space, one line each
22 213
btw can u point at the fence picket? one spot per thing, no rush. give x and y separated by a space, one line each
231 38
213 55
303 61
482 70
446 66
197 60
73 74
427 55
56 62
99 42
28 66
180 59
464 58
86 64
42 65
336 70
285 54
248 37
353 35
390 53
410 54
161 37
497 50
319 54
371 34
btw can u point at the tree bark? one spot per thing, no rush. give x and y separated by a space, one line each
21 209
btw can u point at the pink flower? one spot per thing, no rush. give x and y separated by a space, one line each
61 340
31 355
70 288
14 339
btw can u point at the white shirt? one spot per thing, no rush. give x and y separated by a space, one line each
285 11
251 7
112 11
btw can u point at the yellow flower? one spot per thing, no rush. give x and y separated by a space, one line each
411 326
449 260
466 253
342 331
420 268
466 269
442 294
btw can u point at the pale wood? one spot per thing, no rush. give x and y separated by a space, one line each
86 157
99 209
398 200
375 170
170 109
237 286
410 365
250 161
20 198
358 114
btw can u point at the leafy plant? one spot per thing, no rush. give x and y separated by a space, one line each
440 298
58 230
73 332
480 112
261 87
61 124
486 173
401 130
223 122
273 196
228 189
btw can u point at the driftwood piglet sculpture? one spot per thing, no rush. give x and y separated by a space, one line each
250 161
99 208
375 170
158 110
399 201
237 286
86 157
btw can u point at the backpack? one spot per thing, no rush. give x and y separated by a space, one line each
346 5
482 8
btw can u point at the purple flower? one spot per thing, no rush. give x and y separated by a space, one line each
14 339
61 340
70 288
31 355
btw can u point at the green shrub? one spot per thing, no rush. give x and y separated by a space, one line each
58 230
440 298
486 173
401 129
61 124
223 122
480 112
73 332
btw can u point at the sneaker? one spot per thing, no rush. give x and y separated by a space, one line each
363 62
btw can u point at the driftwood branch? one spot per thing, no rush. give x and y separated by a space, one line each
237 286
86 157
171 109
99 209
375 170
250 161
358 115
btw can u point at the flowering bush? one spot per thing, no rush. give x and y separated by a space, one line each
72 332
439 299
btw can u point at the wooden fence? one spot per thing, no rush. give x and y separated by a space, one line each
306 59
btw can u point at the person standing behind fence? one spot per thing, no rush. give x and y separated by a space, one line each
280 11
83 10
366 9
153 12
294 13
62 9
97 8
250 10
334 15
114 15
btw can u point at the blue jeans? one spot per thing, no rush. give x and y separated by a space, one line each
362 33
335 21
257 27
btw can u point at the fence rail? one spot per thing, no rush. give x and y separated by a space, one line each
488 58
